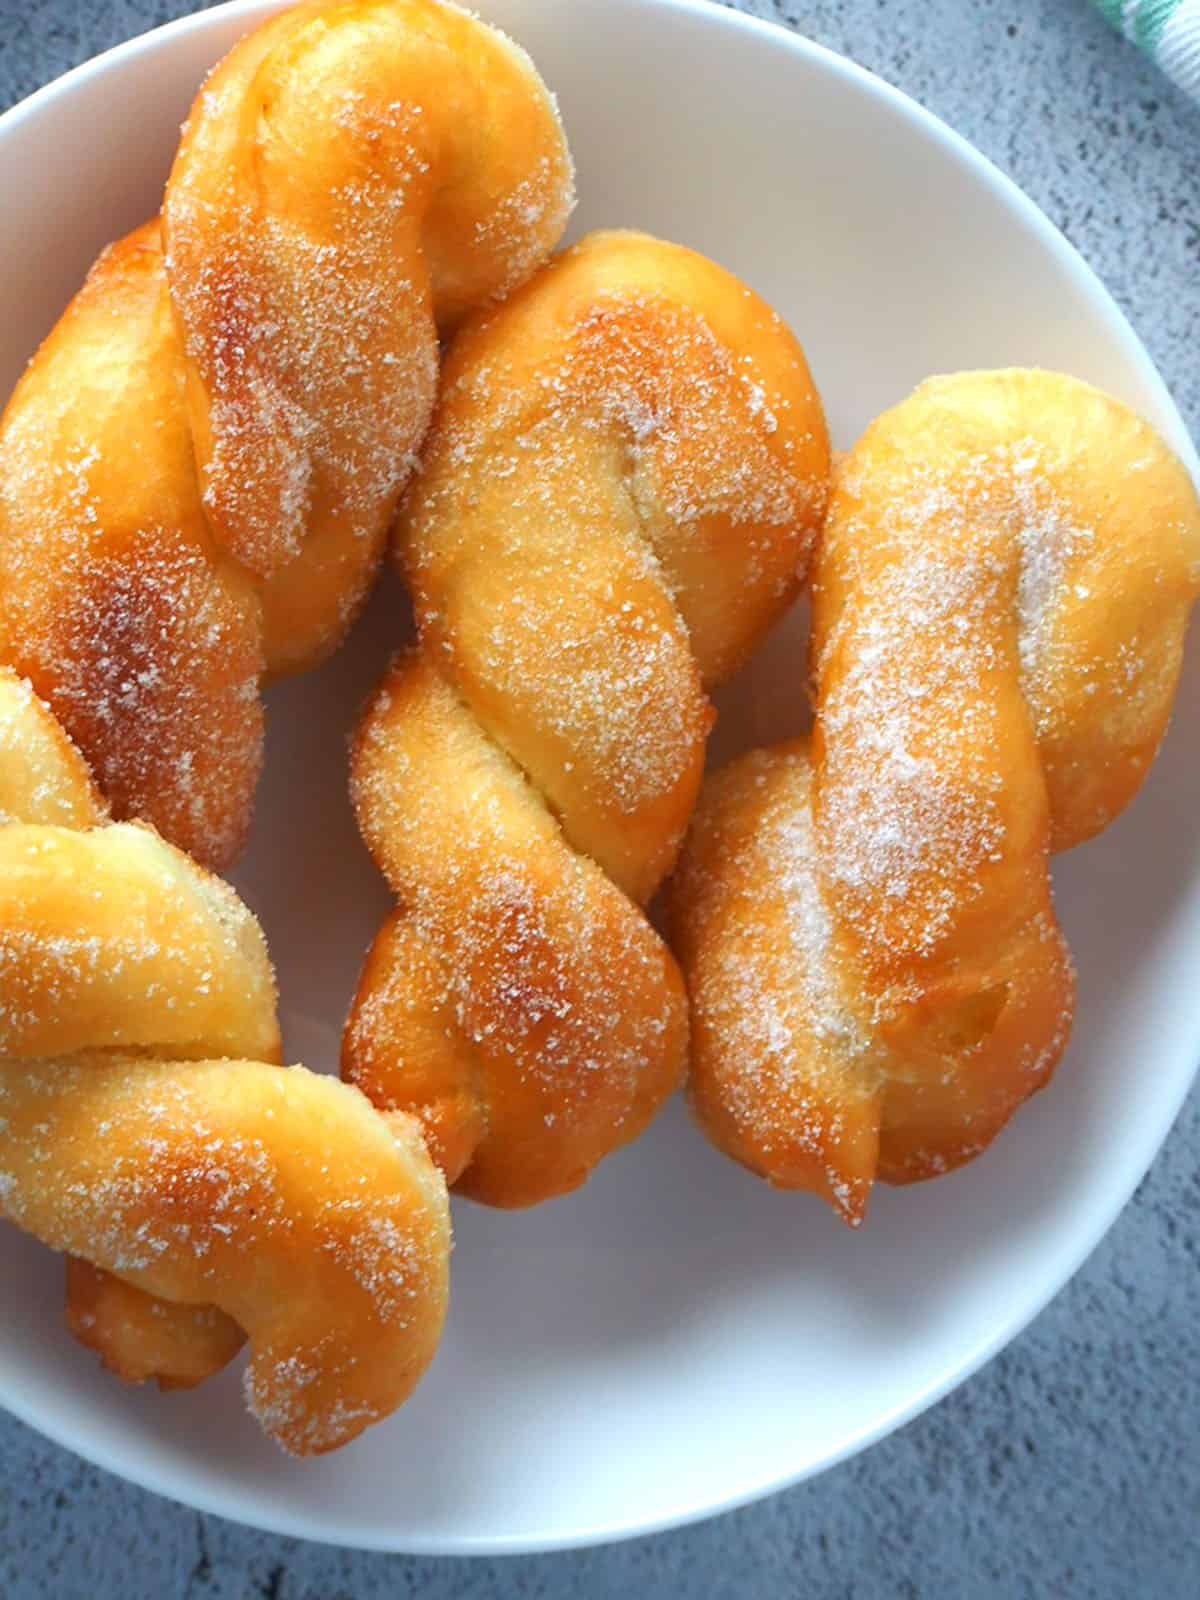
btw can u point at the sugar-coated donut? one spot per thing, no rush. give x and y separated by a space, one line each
199 468
145 1130
626 470
1000 598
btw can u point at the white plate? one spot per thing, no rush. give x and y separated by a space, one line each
676 1339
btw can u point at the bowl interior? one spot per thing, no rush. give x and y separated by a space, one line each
676 1338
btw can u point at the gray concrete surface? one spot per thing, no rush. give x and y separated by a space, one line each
1071 1466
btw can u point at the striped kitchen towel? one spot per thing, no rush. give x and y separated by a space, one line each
1167 30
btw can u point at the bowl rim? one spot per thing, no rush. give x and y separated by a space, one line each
276 1519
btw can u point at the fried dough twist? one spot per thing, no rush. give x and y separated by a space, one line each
145 1130
627 468
200 466
1000 599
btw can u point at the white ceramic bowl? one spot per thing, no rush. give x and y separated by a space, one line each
677 1338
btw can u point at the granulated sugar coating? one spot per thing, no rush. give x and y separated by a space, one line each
231 1196
200 466
232 1183
626 471
999 606
786 1077
112 939
112 598
402 166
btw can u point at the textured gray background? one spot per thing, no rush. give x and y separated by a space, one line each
1071 1466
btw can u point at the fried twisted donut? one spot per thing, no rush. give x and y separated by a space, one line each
999 606
242 1195
200 466
43 780
627 467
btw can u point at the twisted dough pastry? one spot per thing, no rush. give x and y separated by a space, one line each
238 1194
627 467
200 466
999 605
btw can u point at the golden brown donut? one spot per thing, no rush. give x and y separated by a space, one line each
1000 599
626 470
199 468
43 779
225 1194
